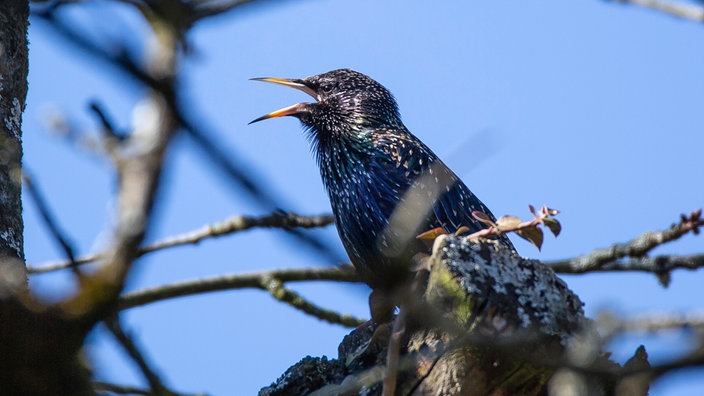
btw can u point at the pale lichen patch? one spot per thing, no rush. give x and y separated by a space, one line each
523 291
11 240
13 122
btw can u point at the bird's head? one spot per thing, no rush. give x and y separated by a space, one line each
346 101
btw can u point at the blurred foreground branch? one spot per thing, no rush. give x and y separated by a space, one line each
170 20
40 342
678 9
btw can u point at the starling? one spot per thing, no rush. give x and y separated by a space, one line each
385 186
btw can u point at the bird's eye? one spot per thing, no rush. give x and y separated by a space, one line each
326 87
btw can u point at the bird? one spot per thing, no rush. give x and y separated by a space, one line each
384 184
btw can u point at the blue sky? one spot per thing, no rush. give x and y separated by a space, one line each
591 107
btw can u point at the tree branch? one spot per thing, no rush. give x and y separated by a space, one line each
232 225
658 265
276 288
270 281
108 389
49 219
155 383
611 325
606 259
115 389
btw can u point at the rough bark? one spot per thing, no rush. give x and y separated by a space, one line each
14 20
482 321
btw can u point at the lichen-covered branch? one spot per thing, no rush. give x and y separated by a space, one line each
471 328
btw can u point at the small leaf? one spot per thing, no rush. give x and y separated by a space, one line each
508 222
553 225
432 234
532 210
532 234
483 217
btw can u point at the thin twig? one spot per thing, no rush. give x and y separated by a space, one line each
611 325
155 383
232 225
50 221
107 388
242 223
654 264
219 7
277 290
636 249
270 281
112 389
108 127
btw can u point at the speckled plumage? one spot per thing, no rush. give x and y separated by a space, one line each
385 186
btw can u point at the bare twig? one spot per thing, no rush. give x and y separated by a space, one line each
270 281
232 225
654 264
107 388
115 389
675 8
611 325
242 223
50 221
691 360
205 9
108 127
155 383
602 259
276 288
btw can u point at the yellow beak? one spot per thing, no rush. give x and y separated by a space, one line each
290 110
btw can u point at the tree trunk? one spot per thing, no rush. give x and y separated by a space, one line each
14 20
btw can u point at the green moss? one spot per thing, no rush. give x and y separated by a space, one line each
444 291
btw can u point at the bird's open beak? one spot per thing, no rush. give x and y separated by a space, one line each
294 110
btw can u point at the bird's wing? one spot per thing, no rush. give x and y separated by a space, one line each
406 162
